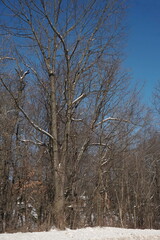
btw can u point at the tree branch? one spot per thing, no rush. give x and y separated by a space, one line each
33 142
112 119
7 58
25 114
79 98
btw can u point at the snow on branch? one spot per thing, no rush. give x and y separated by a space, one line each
112 119
33 124
77 120
24 74
105 162
33 142
98 144
25 114
7 58
79 98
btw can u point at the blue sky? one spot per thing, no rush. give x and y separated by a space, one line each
143 46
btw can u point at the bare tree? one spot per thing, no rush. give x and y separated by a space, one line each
72 51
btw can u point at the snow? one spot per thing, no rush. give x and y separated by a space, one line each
105 233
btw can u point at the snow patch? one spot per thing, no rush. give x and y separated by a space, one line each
105 233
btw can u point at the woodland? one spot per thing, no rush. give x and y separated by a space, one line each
78 147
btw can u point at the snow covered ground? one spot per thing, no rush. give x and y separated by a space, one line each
98 233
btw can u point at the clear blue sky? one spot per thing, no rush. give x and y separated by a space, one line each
143 44
143 47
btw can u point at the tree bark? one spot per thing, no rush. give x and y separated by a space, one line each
58 165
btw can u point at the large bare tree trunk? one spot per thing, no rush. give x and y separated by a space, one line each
57 161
